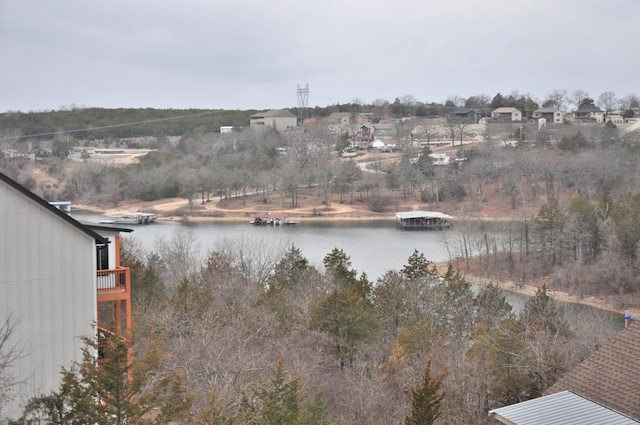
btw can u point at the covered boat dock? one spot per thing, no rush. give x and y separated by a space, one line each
131 218
419 220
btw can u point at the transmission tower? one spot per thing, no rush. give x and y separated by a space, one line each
303 103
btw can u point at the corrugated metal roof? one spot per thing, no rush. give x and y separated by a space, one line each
419 214
564 408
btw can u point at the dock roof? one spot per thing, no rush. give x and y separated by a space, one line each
421 214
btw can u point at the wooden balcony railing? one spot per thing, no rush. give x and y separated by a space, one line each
113 279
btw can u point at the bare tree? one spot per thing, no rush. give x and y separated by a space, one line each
608 101
324 172
11 351
381 108
556 98
577 97
290 172
630 101
179 257
480 101
460 128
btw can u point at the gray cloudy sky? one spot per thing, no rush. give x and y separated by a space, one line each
251 54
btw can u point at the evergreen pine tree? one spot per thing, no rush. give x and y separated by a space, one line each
427 399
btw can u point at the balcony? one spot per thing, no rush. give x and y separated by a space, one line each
113 280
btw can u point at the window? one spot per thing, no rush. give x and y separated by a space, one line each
102 256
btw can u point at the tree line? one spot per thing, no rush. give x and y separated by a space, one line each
102 123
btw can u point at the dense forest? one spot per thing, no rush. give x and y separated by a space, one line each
254 334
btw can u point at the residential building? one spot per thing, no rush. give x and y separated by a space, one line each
59 280
601 389
346 119
278 119
464 116
589 113
341 119
551 115
615 119
385 131
364 136
506 114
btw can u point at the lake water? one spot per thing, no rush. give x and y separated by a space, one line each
375 247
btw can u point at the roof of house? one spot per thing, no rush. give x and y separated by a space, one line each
589 108
383 127
44 204
564 408
546 110
464 111
610 375
505 110
274 113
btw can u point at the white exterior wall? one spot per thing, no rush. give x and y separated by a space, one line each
557 117
48 285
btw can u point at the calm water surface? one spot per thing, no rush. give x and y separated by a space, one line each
375 247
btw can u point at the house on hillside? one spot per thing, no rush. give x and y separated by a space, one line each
551 115
615 119
506 114
589 113
59 280
278 119
345 119
464 116
341 119
386 132
602 389
364 136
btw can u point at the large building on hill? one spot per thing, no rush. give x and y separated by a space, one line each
278 119
59 280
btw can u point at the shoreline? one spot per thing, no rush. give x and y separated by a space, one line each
164 209
528 289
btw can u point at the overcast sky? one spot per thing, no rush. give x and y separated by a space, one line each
252 54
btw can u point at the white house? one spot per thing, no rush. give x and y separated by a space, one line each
551 115
506 114
589 113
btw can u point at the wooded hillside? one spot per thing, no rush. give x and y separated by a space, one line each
253 334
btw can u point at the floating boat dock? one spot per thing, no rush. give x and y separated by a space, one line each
271 221
423 220
131 218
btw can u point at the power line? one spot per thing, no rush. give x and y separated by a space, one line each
107 126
